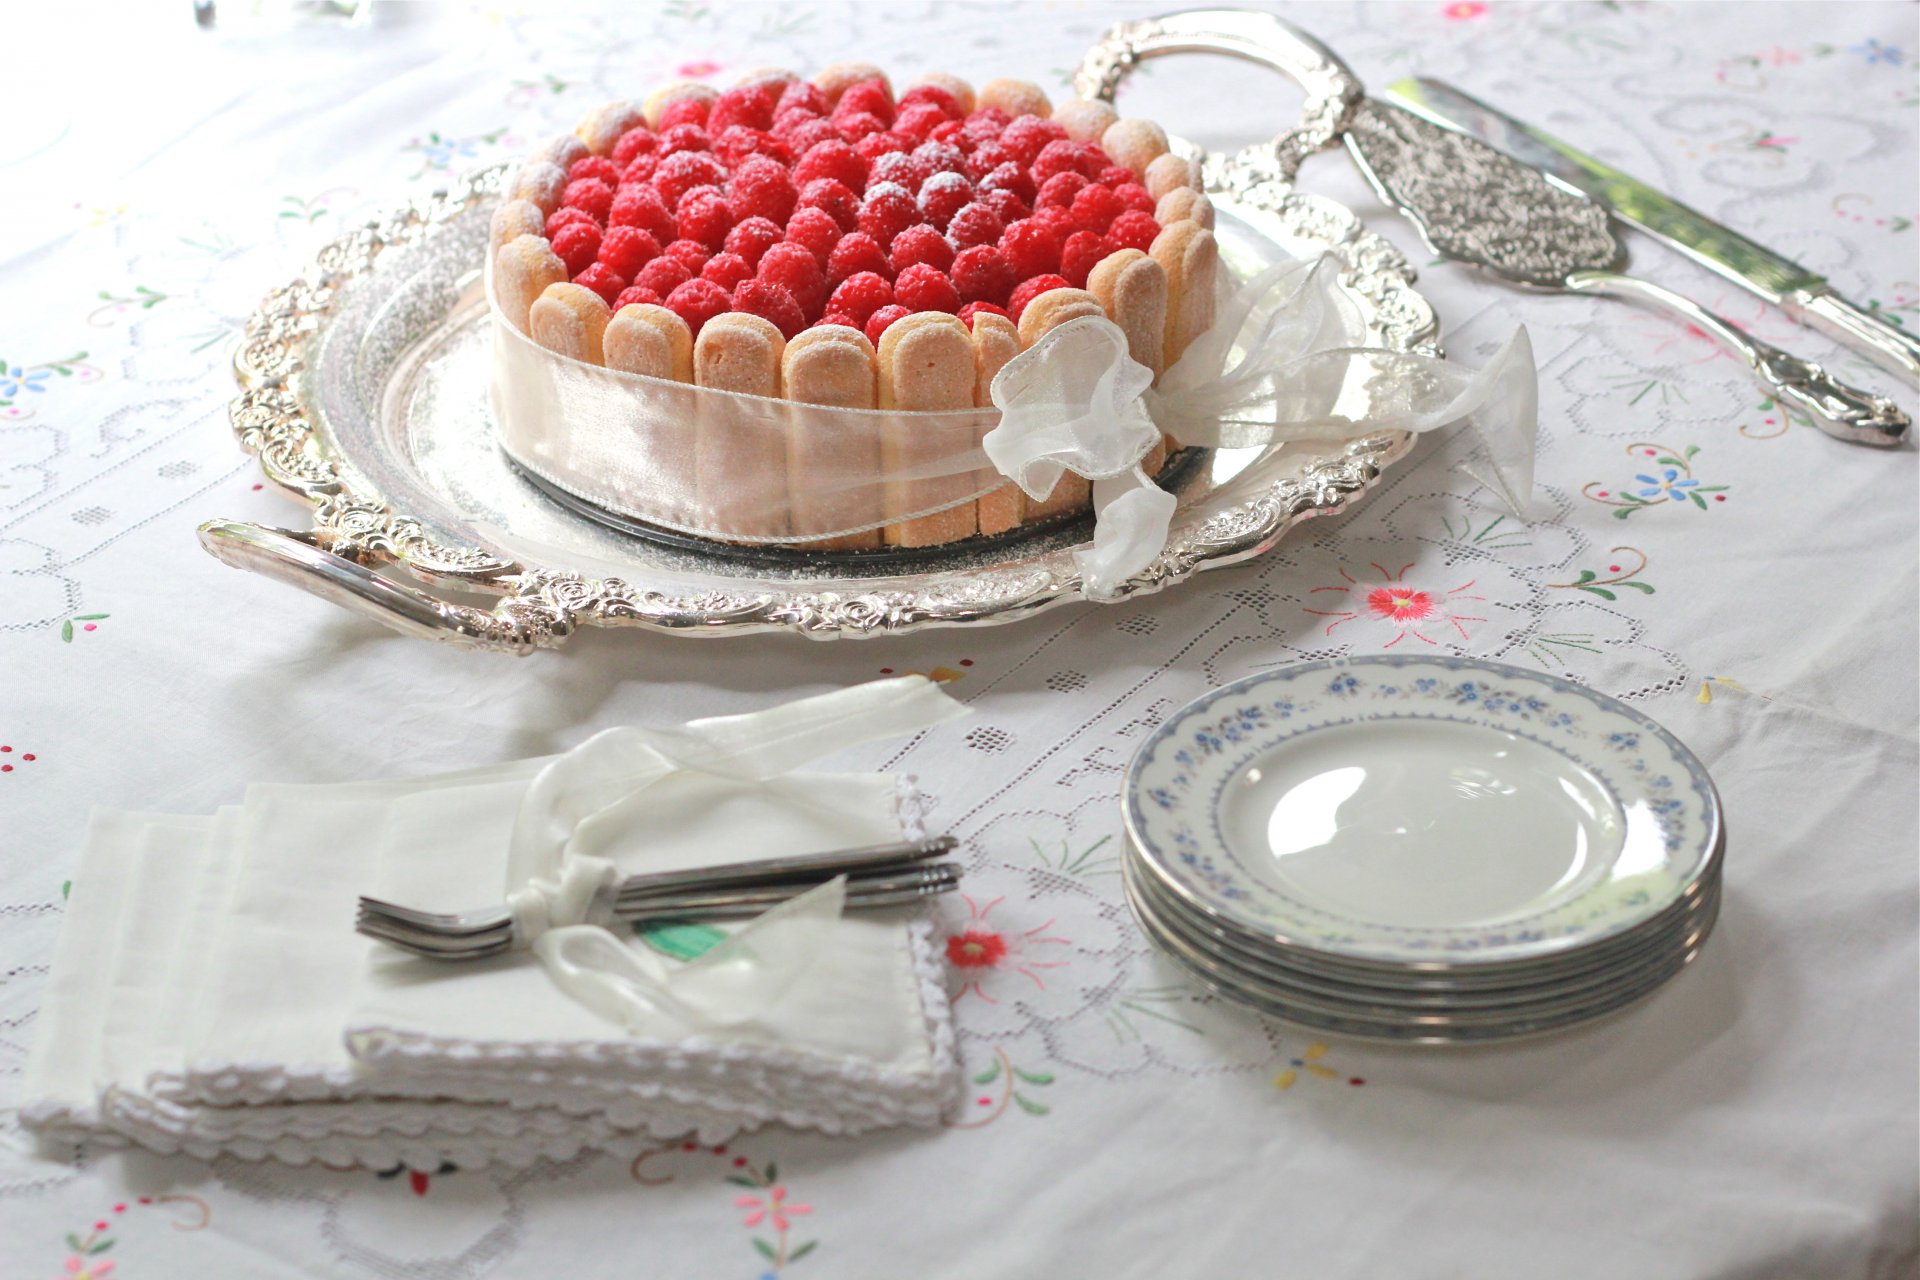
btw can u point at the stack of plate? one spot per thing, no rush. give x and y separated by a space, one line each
1422 849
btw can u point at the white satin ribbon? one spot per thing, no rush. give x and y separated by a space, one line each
1076 401
587 804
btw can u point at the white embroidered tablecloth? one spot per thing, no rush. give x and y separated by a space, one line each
1748 582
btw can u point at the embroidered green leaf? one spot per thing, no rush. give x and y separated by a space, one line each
1621 513
102 1247
66 889
66 631
742 1180
680 940
74 1243
801 1251
1691 450
988 1076
766 1248
1034 1077
1637 586
773 1173
1586 576
1602 592
89 617
1031 1107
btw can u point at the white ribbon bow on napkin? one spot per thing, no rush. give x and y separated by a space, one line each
591 801
1076 401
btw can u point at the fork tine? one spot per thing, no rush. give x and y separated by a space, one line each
449 922
388 931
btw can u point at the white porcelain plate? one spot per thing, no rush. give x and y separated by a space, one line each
1416 809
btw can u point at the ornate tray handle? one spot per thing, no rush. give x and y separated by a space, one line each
1333 92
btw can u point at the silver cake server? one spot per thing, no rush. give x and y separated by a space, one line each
1804 296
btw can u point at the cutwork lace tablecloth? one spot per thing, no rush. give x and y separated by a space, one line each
1743 579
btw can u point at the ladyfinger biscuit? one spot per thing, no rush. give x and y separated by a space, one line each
1045 313
995 341
666 95
961 91
766 75
1170 171
1085 119
1183 204
523 267
926 363
539 183
740 473
1016 97
645 339
601 127
1133 289
512 218
1134 143
1191 258
833 365
570 320
842 76
562 151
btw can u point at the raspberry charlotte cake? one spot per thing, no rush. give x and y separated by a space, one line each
825 242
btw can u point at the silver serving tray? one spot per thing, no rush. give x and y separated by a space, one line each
364 392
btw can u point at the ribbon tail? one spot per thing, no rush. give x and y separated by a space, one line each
1506 421
1131 519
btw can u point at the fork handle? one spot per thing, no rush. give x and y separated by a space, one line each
1842 411
823 865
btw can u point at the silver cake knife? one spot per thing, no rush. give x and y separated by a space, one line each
1804 296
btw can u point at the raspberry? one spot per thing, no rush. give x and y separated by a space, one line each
805 137
1091 161
981 274
602 280
625 250
925 288
706 219
975 224
918 119
595 167
742 105
787 119
834 318
833 198
642 168
634 143
944 194
1080 255
987 157
1057 218
953 134
934 96
794 268
752 237
1009 206
855 253
726 270
696 302
578 245
870 96
635 293
663 275
899 168
804 95
737 143
1029 135
590 196
815 231
1060 189
690 254
881 320
986 124
1031 248
857 126
884 143
641 207
1010 177
1134 196
859 296
940 157
834 160
972 309
1116 175
770 302
1058 156
700 192
761 188
1133 230
683 137
888 211
1095 208
1028 290
918 245
685 111
564 216
682 171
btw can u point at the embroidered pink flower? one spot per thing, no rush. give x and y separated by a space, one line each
1408 610
980 950
699 69
79 1268
774 1209
1400 603
1464 10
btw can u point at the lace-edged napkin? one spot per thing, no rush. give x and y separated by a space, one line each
261 1025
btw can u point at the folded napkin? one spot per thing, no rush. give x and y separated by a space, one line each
210 996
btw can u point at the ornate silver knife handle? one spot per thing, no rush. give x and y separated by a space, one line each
1841 411
1848 325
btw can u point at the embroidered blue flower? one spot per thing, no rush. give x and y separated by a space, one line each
16 380
1671 483
1873 51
